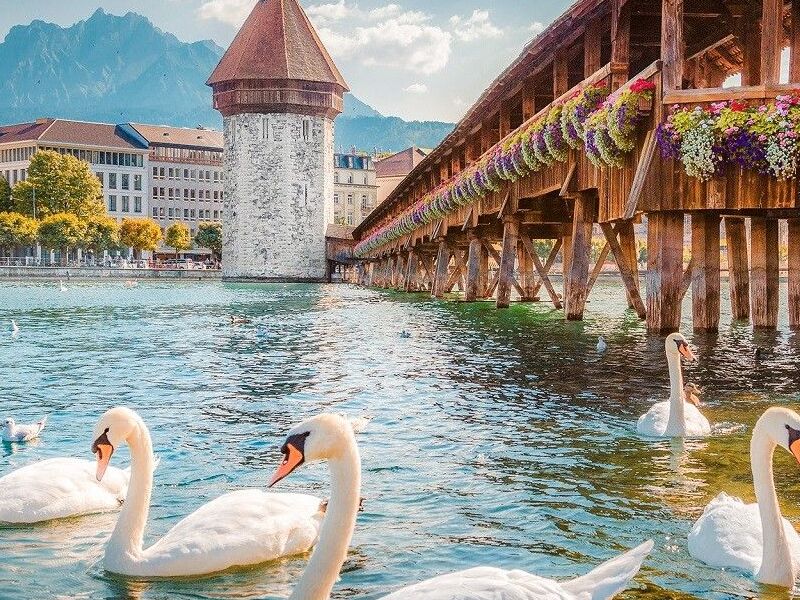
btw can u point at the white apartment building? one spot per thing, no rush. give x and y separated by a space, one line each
355 189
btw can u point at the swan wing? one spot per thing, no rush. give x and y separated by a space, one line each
696 423
240 528
728 534
58 488
23 433
653 423
485 583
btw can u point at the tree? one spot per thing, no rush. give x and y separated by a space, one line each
60 183
62 231
140 234
177 236
102 233
209 235
16 230
6 205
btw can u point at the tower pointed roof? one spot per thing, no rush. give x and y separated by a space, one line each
277 42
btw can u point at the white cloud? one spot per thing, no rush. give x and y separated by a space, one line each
385 12
536 27
232 12
477 27
332 11
416 88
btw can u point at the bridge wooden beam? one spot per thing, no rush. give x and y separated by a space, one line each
794 273
543 270
794 44
764 272
508 257
627 267
771 41
738 267
705 271
442 269
672 44
584 215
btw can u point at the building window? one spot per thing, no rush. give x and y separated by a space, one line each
350 178
161 172
126 204
137 183
216 214
112 203
365 180
161 211
364 205
137 204
171 174
155 211
126 181
155 172
306 130
112 181
349 199
155 192
186 173
185 213
336 199
336 177
192 214
100 178
349 218
171 212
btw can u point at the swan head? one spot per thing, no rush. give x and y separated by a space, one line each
113 428
781 425
8 424
323 437
676 346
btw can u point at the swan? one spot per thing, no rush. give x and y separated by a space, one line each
240 528
674 417
601 345
22 433
58 488
754 537
327 437
61 286
14 328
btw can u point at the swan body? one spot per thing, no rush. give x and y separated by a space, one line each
58 488
240 528
674 417
482 583
14 328
61 286
22 433
602 346
754 537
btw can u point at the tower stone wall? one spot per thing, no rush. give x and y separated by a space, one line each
278 191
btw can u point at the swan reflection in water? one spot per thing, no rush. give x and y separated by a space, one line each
679 477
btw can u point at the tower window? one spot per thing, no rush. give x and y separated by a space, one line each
306 130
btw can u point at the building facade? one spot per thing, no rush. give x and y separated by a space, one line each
355 190
391 170
278 91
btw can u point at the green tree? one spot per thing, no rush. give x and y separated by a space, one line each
140 234
102 233
62 231
60 183
209 235
177 236
16 230
6 205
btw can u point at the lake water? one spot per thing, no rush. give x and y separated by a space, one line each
498 437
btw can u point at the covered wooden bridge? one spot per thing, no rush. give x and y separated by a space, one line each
577 131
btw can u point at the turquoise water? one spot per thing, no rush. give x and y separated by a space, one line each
498 437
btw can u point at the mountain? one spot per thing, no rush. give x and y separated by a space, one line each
116 69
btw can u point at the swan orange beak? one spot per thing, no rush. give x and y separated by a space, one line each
794 448
103 449
292 459
686 351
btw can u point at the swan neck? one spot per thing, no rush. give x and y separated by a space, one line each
322 570
776 560
676 424
128 536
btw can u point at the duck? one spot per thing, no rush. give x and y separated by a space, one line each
130 283
14 328
240 528
601 345
754 537
405 334
240 320
691 393
674 417
325 437
22 433
59 488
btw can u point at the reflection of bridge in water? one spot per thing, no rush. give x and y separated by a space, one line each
517 169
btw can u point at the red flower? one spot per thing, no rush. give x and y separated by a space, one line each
642 85
738 106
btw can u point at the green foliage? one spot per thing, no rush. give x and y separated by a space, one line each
209 235
543 247
101 233
140 234
60 184
6 205
62 231
177 236
17 230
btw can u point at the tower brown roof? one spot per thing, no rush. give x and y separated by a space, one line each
277 41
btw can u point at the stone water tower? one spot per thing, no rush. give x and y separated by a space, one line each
278 91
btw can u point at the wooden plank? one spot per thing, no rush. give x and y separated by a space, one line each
751 92
505 203
686 282
705 271
794 273
551 259
592 46
626 271
620 40
664 271
738 267
627 241
508 258
437 230
567 187
458 271
468 220
764 272
525 273
771 41
545 280
412 272
642 171
672 44
473 288
584 214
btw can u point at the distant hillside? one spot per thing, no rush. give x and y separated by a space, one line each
116 69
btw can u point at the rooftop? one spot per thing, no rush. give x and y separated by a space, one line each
401 163
64 131
162 135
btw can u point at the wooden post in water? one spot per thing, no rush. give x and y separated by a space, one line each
442 270
525 269
582 222
705 271
627 242
508 257
738 267
664 271
794 272
400 278
412 267
764 272
473 286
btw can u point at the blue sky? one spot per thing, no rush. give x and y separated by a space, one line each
418 59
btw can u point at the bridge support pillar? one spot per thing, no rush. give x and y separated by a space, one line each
627 242
442 270
412 269
526 270
664 271
764 272
508 258
738 267
400 272
794 273
476 282
705 271
578 273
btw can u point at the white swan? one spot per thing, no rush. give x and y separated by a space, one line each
14 328
754 537
61 286
674 417
240 528
22 433
58 488
602 346
328 437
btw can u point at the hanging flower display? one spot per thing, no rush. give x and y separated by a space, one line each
764 138
576 111
554 136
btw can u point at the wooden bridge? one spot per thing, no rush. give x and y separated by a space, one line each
470 215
